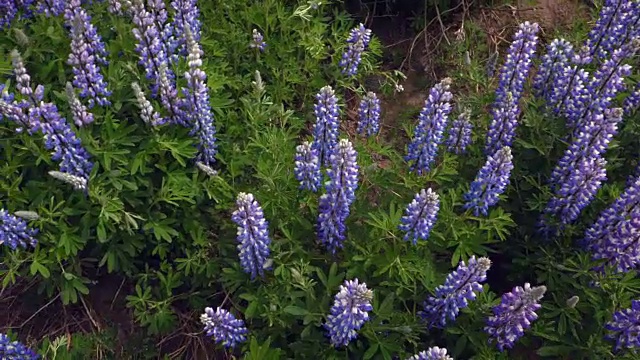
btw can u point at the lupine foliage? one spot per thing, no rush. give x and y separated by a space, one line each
219 167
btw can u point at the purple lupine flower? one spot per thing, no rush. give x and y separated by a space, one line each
325 130
513 75
9 11
514 315
632 101
66 147
23 79
614 236
459 288
153 34
558 56
253 235
223 327
625 327
15 233
577 96
307 169
197 105
115 7
349 312
87 52
491 181
169 99
580 187
369 114
420 216
434 353
460 134
492 61
599 92
590 139
15 349
186 13
334 204
50 7
432 122
357 43
80 113
568 86
257 40
148 114
616 20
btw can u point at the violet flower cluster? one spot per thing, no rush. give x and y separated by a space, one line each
325 130
349 312
186 14
15 350
196 103
490 183
428 134
591 97
460 134
9 10
558 57
625 327
340 194
616 24
512 77
632 101
257 40
434 353
357 43
307 167
514 315
50 7
14 231
253 235
223 327
88 52
80 114
459 288
615 235
420 216
369 114
580 172
154 35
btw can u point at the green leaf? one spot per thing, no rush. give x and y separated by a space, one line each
295 310
370 352
555 351
36 267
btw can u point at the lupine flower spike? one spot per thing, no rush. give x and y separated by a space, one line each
325 130
196 103
434 353
15 233
420 216
257 41
625 327
334 204
307 167
349 312
491 181
513 75
618 19
253 234
558 57
460 134
223 327
50 7
459 288
369 115
81 116
613 237
357 43
186 14
87 53
147 113
432 121
15 350
514 315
